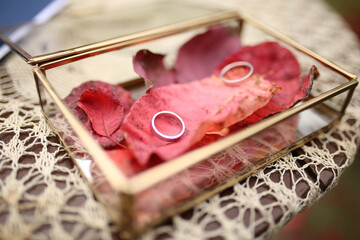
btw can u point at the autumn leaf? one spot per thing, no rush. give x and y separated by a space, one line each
151 67
278 65
197 58
121 94
124 158
204 105
103 109
216 169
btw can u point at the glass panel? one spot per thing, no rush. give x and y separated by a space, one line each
84 24
79 154
327 80
230 164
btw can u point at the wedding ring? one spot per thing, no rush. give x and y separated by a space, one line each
169 137
233 65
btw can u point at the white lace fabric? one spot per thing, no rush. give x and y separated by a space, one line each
42 195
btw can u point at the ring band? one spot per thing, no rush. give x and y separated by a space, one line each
236 64
170 137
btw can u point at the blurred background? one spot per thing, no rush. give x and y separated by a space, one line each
350 10
337 214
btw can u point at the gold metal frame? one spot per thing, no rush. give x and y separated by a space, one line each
127 188
119 42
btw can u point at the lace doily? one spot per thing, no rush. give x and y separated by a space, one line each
42 195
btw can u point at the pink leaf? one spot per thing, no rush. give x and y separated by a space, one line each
204 105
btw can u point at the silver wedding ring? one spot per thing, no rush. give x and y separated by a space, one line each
233 65
169 137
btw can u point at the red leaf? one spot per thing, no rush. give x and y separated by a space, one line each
215 169
204 105
198 58
126 161
150 66
103 109
124 97
277 64
282 101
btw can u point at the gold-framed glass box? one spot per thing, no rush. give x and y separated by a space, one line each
147 198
